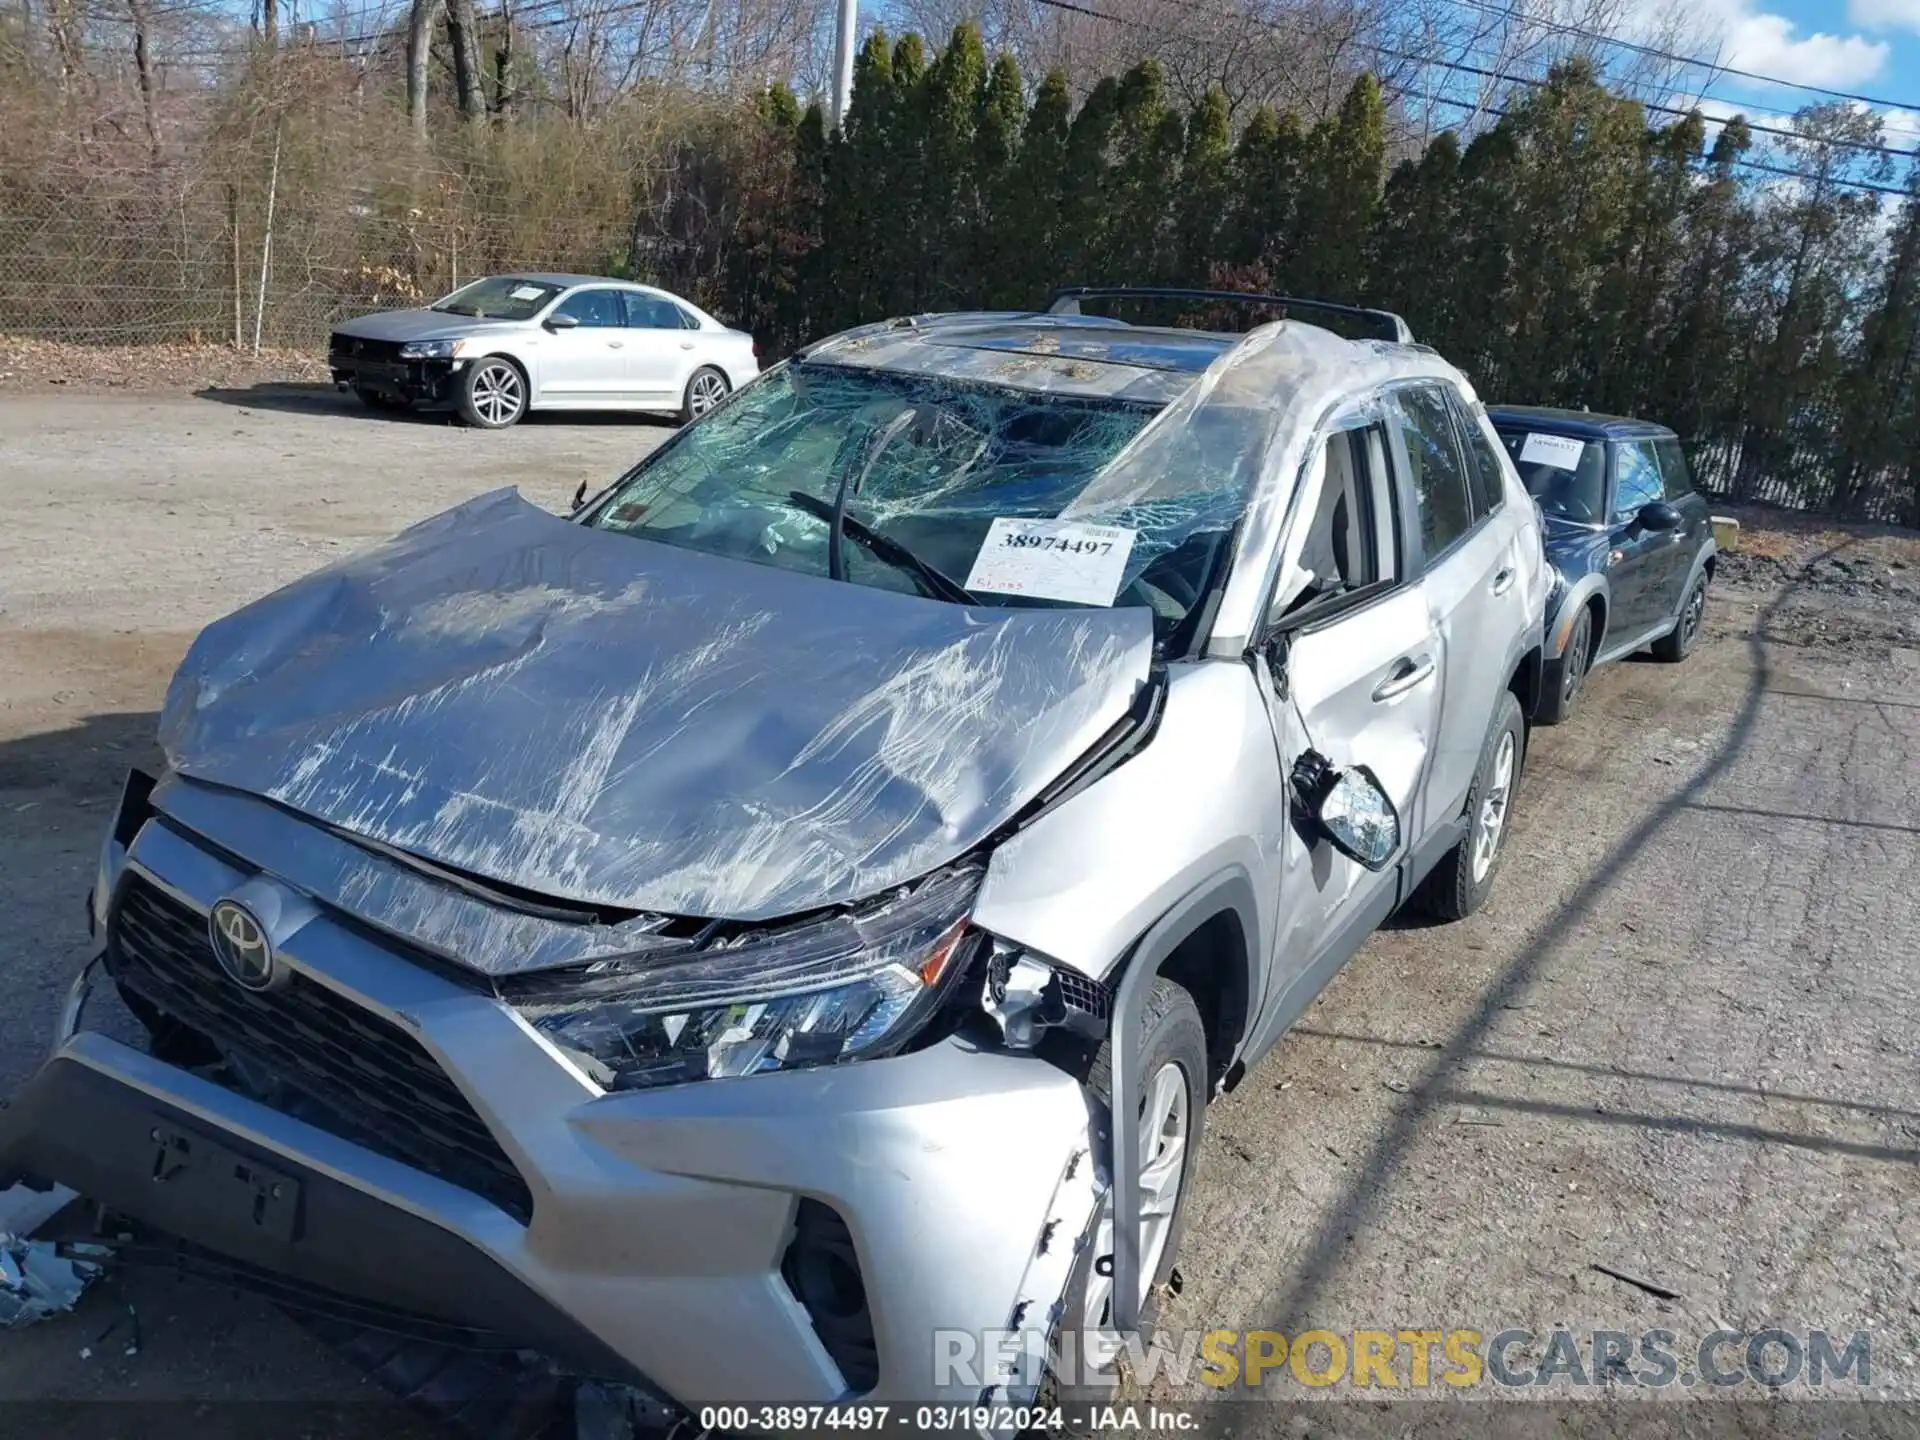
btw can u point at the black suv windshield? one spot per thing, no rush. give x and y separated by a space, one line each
499 297
931 470
1566 474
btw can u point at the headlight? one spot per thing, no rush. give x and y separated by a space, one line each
429 349
833 990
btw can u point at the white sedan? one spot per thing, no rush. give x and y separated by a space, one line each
502 346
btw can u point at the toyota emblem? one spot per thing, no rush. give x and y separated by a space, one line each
240 944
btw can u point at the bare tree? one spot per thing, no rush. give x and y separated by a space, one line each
420 20
143 70
461 34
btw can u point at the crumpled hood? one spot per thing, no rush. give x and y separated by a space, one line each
418 325
617 722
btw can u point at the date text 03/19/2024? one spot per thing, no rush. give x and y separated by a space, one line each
940 1419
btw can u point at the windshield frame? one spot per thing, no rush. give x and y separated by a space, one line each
553 295
1182 639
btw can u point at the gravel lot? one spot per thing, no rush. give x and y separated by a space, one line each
1680 1042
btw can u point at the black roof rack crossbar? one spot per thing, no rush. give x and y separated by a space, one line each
1385 324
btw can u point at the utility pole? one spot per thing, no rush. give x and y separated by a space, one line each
843 38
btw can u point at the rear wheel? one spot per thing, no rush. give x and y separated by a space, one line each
1173 1051
706 388
1460 884
494 394
1677 643
1575 661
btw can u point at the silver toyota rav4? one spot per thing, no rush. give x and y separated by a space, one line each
702 939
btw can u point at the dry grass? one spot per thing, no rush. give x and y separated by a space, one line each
30 364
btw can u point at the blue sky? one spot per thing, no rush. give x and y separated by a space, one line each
1869 47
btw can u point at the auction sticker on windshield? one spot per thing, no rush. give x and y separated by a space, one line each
1559 451
1052 560
528 292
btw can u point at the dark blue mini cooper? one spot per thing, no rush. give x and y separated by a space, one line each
1630 543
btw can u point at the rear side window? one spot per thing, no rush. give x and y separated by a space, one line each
1439 472
1673 469
650 312
1636 479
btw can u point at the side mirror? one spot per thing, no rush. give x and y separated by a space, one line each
557 323
1350 808
1658 515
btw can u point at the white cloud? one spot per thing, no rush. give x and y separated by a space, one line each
1899 129
1771 44
1885 14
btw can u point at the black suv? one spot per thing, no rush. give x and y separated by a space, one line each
1630 543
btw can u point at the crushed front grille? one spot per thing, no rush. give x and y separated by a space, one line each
335 1064
352 347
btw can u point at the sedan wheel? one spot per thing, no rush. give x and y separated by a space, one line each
706 389
494 396
1491 823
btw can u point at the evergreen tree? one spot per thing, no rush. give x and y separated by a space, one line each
1027 213
1206 185
1345 166
993 264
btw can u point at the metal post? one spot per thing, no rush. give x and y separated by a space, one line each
844 32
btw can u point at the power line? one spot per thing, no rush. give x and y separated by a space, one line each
1537 82
1692 61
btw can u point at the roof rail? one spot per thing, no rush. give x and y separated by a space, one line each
1385 324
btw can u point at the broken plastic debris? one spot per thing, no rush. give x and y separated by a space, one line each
36 1281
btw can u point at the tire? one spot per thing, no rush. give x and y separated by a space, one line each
1461 882
493 394
374 400
1175 1039
706 388
1571 673
1677 643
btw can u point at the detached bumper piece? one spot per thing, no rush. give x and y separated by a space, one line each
271 1224
376 366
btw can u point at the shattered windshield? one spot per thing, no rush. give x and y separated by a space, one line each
500 297
944 488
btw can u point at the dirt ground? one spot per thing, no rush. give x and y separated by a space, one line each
1680 1043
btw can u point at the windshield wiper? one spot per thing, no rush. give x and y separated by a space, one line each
886 548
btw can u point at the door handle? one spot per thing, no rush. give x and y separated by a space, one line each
1406 673
615 344
686 344
1503 582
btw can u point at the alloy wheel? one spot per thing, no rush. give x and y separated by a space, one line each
1696 609
498 393
708 390
1573 669
1491 823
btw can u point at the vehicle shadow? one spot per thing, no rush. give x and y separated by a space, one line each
296 398
1294 1298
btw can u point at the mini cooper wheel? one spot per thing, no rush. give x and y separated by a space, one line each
1677 643
494 394
1571 673
1461 882
706 388
1174 1066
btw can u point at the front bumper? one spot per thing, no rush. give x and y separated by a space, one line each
659 1220
416 382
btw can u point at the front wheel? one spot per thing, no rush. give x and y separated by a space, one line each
706 388
1173 1052
494 394
1460 883
1677 643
